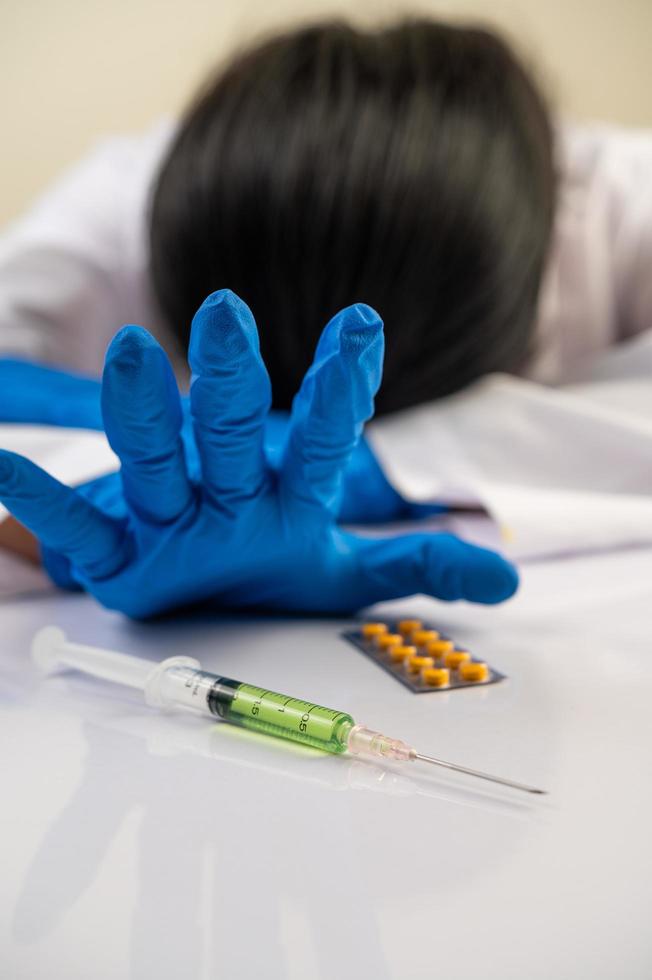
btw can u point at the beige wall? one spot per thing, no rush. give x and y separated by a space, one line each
73 70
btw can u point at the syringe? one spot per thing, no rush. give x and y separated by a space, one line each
179 682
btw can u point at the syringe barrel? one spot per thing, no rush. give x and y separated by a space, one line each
256 708
184 687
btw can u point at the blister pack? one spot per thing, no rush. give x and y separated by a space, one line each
420 656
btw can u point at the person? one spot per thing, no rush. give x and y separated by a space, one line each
415 168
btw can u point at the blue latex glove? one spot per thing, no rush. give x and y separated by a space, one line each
243 535
36 393
43 395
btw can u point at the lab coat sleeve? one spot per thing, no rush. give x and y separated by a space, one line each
559 470
564 467
597 288
74 268
628 160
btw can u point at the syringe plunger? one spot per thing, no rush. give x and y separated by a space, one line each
51 650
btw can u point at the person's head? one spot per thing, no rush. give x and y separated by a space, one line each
409 168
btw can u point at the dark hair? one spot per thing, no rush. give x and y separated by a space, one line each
409 168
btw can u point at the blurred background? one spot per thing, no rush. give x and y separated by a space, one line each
76 70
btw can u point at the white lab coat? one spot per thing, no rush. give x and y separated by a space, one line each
558 467
73 270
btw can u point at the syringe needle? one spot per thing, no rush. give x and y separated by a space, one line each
480 775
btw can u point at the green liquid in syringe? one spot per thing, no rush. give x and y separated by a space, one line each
277 714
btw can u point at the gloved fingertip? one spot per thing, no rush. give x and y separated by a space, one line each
223 329
489 578
361 338
7 467
228 305
128 348
221 297
360 316
14 475
135 365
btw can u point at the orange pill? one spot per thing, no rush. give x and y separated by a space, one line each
370 630
436 676
455 658
399 654
421 637
386 640
414 664
474 672
438 648
407 626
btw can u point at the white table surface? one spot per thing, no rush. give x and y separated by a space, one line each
141 845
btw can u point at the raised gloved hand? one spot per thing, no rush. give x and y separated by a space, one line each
39 394
242 534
